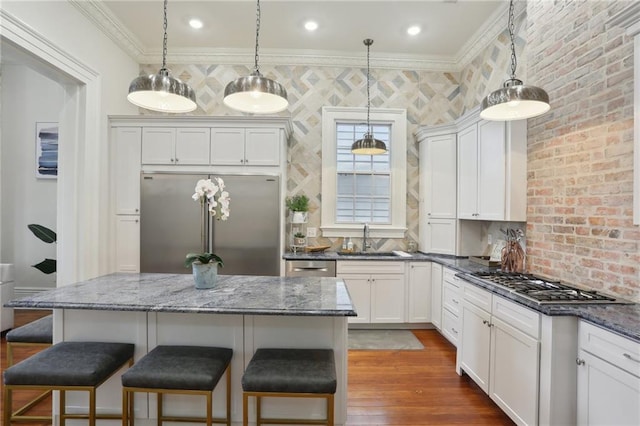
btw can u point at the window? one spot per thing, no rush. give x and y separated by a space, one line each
358 189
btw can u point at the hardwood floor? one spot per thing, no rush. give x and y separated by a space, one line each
385 387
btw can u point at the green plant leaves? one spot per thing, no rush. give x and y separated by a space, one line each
202 258
47 266
43 233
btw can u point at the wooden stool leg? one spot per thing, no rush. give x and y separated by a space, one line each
125 407
159 412
9 355
92 407
258 411
229 395
7 406
63 403
132 412
245 409
209 408
330 408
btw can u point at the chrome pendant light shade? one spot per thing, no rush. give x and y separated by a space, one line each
162 92
368 145
256 93
514 101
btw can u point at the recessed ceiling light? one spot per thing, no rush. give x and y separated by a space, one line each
311 25
413 30
195 23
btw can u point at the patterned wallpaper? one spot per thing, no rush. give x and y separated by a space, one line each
429 97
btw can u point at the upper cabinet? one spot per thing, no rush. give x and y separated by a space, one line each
249 147
178 146
126 145
492 171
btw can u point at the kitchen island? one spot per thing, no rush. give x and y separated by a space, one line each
243 313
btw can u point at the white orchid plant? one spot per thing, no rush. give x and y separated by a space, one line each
212 196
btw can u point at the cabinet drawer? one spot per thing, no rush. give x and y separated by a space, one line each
619 351
450 326
517 316
369 267
451 297
477 296
449 275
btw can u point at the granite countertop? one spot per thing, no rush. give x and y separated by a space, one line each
623 319
233 294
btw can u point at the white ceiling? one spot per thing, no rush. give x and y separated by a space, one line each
450 29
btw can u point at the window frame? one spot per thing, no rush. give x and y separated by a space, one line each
397 118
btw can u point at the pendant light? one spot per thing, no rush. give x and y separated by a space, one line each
255 93
514 101
162 92
368 145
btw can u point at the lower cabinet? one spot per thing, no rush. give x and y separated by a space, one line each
127 243
376 288
608 378
436 295
419 294
451 305
499 350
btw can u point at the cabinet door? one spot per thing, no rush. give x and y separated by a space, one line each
491 170
440 236
420 292
127 169
192 146
158 145
450 326
468 173
607 395
128 243
387 298
359 287
513 383
227 147
262 147
474 350
440 201
436 295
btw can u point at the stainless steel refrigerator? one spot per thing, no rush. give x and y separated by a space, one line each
170 224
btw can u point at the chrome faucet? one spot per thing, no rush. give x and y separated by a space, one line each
365 237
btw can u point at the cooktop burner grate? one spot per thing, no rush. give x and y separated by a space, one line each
543 291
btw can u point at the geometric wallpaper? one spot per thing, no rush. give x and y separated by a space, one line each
430 98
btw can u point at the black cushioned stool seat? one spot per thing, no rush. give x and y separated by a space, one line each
179 369
67 366
303 373
38 333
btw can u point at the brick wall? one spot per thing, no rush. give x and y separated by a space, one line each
580 166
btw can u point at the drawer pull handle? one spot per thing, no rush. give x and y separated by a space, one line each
454 301
629 357
454 330
485 322
579 361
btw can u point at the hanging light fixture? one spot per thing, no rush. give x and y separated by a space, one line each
256 93
368 145
162 92
514 101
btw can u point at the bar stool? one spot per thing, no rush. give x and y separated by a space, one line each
289 373
38 333
67 366
192 370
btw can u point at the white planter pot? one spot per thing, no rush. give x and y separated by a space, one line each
205 275
299 217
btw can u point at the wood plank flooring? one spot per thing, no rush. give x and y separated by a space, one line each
409 388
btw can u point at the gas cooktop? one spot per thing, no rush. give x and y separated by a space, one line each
543 291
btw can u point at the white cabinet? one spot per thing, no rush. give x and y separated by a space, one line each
250 147
128 243
376 288
437 200
436 295
126 145
177 146
451 305
608 378
419 294
500 350
492 166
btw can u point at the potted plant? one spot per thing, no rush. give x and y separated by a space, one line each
299 239
299 206
214 201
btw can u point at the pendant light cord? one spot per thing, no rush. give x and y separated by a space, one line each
368 42
514 61
164 40
257 69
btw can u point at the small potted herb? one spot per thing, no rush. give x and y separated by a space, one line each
299 239
299 206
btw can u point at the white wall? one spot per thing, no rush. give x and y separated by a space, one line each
59 35
27 98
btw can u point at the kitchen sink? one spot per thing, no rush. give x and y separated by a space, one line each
370 254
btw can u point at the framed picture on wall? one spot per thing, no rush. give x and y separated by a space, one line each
46 150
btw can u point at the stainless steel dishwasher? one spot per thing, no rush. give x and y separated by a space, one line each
311 268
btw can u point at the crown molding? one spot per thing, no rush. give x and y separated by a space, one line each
109 24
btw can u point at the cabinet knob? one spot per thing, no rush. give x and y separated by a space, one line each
454 331
485 322
242 161
454 301
579 361
137 210
428 214
172 160
246 161
137 221
630 358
